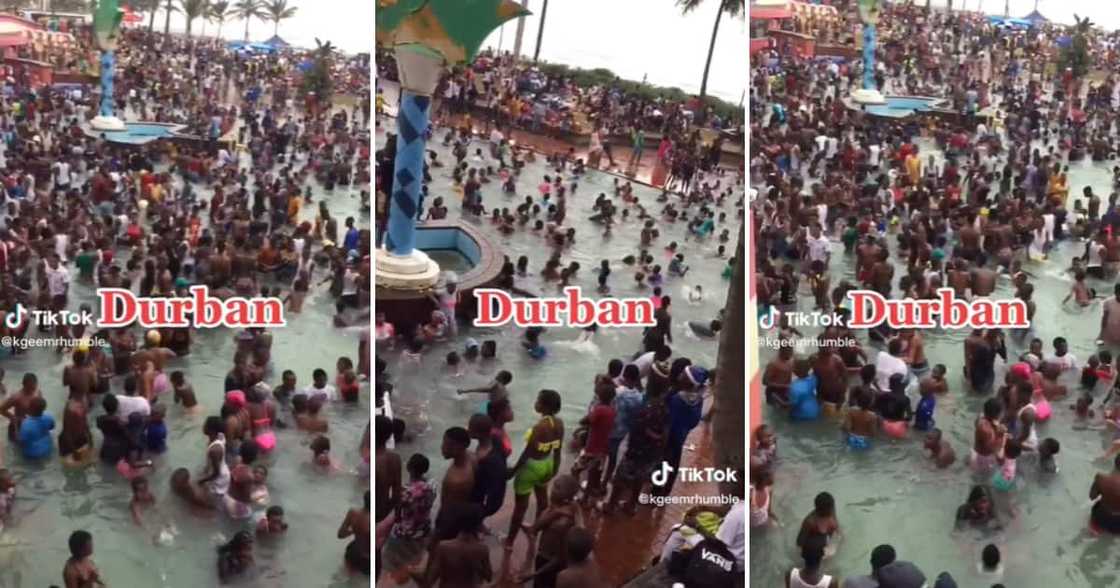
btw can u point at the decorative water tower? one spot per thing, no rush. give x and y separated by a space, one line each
107 18
427 36
869 16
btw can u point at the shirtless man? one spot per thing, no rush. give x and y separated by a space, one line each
75 442
915 350
15 407
80 571
832 376
777 377
458 482
387 480
1110 319
860 422
81 378
356 525
989 437
463 560
983 281
582 571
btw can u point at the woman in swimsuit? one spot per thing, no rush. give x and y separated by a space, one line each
539 461
261 413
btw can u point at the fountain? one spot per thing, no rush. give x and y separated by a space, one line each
107 18
869 15
427 36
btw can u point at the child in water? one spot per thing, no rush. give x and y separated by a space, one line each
184 393
923 416
1004 478
272 523
532 343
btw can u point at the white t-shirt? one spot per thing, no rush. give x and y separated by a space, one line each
62 169
128 405
644 361
818 248
887 365
873 158
733 532
1066 362
327 393
57 280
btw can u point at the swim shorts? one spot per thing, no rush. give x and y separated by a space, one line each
895 429
533 474
859 442
982 463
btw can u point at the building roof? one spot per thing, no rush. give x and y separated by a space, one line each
768 13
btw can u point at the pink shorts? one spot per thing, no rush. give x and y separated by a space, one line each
161 384
266 441
896 429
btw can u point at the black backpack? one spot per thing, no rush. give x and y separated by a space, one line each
710 565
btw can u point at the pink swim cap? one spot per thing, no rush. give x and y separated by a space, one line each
235 398
1022 370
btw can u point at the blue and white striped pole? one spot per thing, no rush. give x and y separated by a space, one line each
408 172
869 56
108 61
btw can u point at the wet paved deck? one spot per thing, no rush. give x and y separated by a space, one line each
625 546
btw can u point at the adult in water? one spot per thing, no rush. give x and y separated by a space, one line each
1105 515
356 525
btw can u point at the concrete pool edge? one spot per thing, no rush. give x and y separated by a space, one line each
412 306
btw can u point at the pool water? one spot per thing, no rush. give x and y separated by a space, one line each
892 493
53 501
425 395
450 260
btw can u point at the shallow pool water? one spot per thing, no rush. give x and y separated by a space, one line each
425 396
53 501
892 494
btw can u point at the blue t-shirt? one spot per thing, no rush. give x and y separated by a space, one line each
803 398
156 437
35 436
626 406
683 417
923 417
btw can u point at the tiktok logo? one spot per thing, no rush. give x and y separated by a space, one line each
661 476
768 320
16 317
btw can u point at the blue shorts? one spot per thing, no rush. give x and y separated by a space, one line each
858 442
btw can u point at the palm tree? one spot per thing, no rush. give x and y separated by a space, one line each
540 31
149 6
220 12
248 10
168 8
731 8
317 81
278 10
192 9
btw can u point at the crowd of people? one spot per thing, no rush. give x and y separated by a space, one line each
640 409
976 199
244 208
